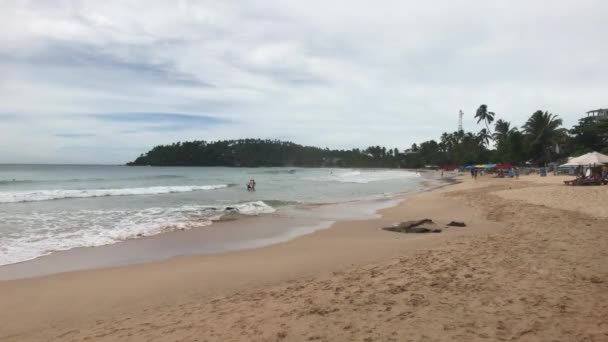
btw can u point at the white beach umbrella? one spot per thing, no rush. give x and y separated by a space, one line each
591 158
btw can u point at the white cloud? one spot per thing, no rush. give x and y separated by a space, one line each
339 74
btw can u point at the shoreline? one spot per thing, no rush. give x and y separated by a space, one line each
516 269
176 212
257 231
90 279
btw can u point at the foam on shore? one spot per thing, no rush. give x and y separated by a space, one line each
58 231
46 195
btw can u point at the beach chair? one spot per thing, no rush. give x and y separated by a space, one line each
593 181
576 181
587 181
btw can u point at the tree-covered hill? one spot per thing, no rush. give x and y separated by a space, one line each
258 152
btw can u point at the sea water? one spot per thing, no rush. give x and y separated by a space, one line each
48 208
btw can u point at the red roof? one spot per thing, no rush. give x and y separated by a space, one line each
504 166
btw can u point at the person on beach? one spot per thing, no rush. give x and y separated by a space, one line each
516 172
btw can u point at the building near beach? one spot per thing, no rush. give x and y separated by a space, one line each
598 113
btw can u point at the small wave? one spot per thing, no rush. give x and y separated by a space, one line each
77 180
46 195
280 203
74 180
277 172
164 176
254 208
43 233
363 176
150 177
29 181
15 181
248 208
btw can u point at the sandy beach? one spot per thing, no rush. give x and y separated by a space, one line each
531 265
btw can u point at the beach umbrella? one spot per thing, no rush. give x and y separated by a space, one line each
469 167
589 159
490 166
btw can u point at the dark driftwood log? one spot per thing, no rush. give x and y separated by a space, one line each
457 224
413 227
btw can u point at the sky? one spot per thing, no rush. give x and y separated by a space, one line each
102 81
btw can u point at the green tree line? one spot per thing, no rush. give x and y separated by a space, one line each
258 152
540 140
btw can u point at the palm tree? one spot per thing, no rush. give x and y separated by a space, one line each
483 115
484 137
446 140
542 131
459 136
501 129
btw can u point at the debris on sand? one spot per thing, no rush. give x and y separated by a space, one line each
414 227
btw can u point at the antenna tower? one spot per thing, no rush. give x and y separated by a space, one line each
460 114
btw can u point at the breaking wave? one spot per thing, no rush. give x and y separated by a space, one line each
43 233
46 195
363 176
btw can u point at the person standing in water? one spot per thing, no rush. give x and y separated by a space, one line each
251 185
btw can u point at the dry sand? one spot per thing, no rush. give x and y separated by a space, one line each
551 192
528 267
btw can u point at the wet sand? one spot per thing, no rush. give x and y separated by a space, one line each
523 269
233 233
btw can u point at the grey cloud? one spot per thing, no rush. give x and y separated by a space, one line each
81 56
74 135
337 74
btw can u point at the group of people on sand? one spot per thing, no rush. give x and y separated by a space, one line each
251 185
513 172
475 172
593 173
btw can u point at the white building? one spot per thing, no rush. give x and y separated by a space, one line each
599 113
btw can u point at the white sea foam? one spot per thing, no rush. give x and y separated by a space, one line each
363 176
46 195
253 208
43 233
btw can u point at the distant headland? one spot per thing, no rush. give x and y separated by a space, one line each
259 153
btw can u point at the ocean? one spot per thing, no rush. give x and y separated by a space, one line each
50 208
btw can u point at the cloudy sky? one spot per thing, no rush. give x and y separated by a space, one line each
103 81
